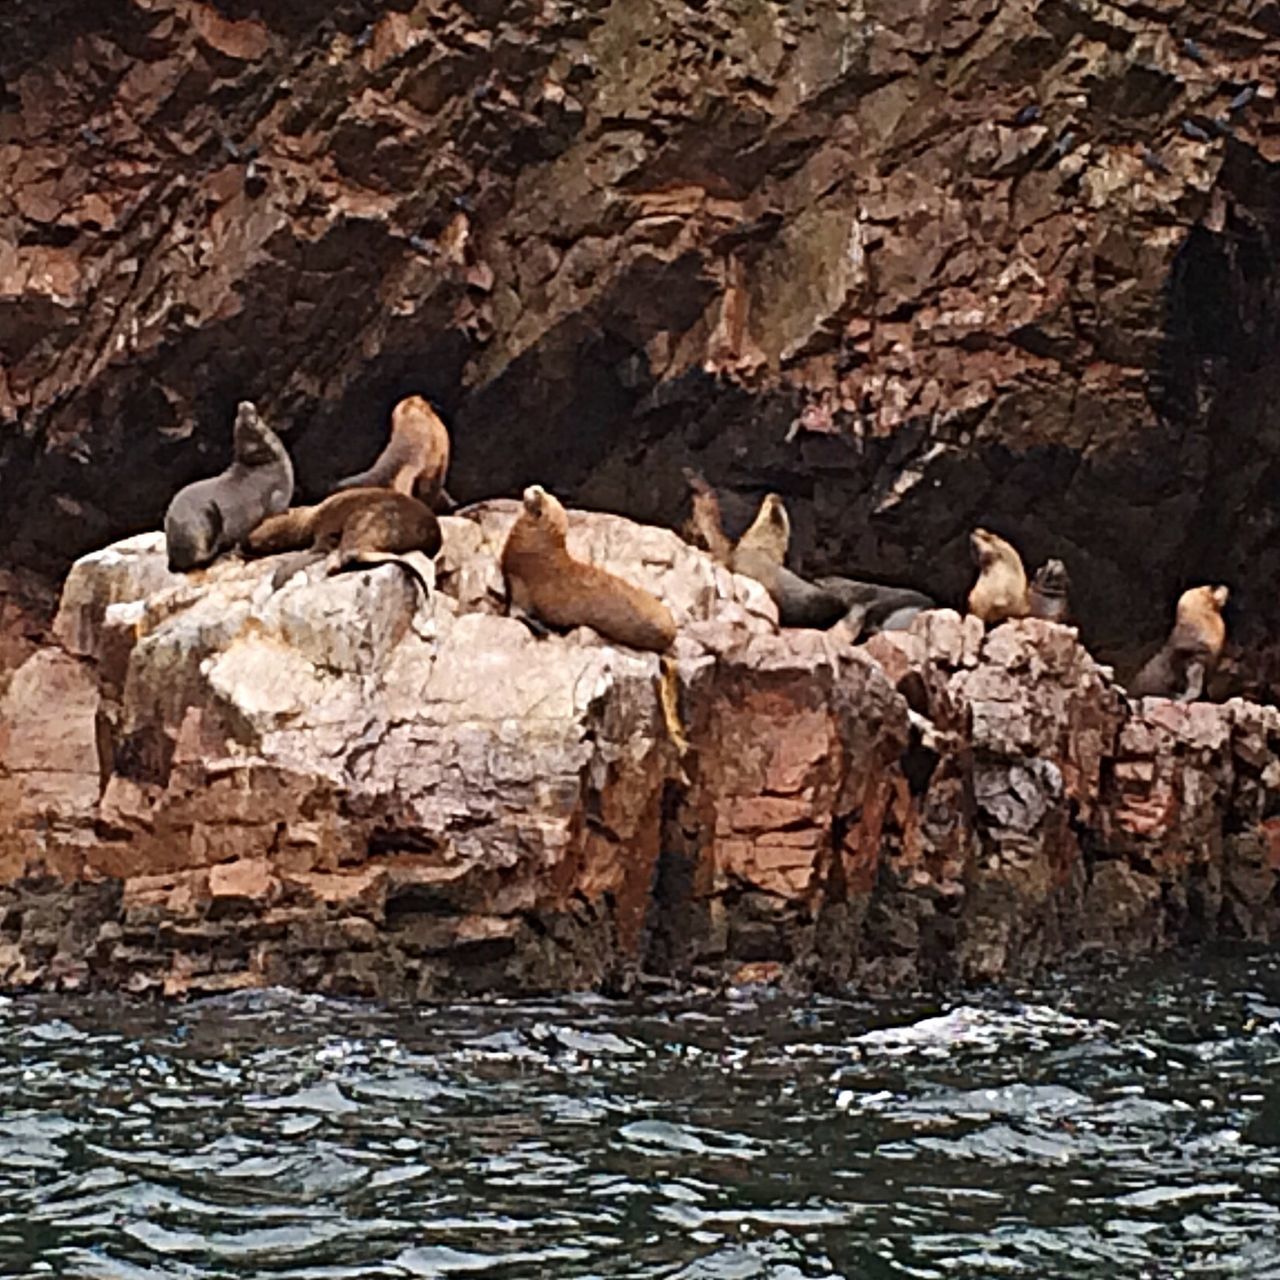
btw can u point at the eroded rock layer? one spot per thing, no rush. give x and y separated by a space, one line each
917 265
241 777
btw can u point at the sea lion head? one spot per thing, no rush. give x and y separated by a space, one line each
1052 578
990 548
411 407
546 512
770 531
253 445
1201 602
980 545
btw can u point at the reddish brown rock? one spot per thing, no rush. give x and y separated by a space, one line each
209 783
1005 260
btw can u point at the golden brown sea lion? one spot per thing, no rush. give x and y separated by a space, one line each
1001 589
357 528
1049 596
761 554
415 459
214 515
546 582
1192 650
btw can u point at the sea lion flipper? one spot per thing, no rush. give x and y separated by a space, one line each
1195 674
539 630
669 697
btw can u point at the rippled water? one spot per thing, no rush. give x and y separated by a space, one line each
1126 1125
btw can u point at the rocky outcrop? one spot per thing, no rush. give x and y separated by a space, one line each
226 779
918 266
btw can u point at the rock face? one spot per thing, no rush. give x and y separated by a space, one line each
918 266
224 780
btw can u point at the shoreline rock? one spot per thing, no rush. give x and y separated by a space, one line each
208 784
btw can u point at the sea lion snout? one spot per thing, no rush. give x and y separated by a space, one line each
534 499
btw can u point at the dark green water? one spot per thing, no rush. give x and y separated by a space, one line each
1122 1124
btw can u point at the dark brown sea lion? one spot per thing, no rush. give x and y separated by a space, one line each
415 459
211 516
357 528
1191 653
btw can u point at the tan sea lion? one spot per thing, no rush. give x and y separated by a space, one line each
1001 589
761 554
546 582
356 528
415 459
1049 594
211 516
1191 653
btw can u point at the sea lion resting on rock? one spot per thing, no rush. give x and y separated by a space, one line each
1049 594
545 584
415 459
1191 652
211 516
761 554
1001 590
357 528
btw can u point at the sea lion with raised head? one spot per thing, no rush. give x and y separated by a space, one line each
1191 653
211 516
761 553
1001 590
1049 596
545 581
547 585
357 528
415 459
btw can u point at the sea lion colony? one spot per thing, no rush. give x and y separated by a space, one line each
388 511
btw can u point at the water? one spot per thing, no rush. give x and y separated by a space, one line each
1119 1125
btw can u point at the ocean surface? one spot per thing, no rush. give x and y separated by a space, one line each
1117 1122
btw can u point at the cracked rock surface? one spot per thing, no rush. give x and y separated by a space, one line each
212 781
916 266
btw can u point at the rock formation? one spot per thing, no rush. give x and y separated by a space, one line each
926 265
914 267
206 783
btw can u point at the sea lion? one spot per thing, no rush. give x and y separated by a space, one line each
356 528
210 516
884 608
760 554
1001 589
1191 652
414 460
1050 592
705 528
545 581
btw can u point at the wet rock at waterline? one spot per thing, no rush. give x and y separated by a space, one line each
208 782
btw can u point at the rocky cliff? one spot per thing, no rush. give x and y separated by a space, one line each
227 779
914 265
